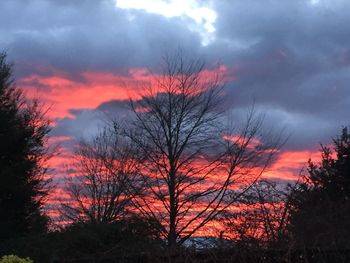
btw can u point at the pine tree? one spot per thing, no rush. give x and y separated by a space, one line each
321 205
23 136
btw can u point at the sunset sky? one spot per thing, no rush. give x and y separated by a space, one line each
85 58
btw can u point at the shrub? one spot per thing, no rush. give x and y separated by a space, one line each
15 259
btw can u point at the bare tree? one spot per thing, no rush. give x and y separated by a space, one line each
261 220
191 160
100 189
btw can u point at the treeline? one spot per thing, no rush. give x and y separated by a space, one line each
176 180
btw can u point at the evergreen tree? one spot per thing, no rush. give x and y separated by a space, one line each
321 205
23 135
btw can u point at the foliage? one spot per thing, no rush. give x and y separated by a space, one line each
23 152
321 204
85 242
15 259
106 240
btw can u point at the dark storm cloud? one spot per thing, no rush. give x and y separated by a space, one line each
83 123
291 57
77 36
86 122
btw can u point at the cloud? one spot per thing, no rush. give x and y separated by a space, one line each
87 35
88 92
290 57
85 58
200 12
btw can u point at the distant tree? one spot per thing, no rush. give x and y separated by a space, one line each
191 159
23 136
106 242
119 241
261 218
321 204
104 178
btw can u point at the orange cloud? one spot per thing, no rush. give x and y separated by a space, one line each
289 164
91 89
65 94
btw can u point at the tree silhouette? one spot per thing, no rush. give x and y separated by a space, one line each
191 160
321 204
262 218
105 242
105 179
23 134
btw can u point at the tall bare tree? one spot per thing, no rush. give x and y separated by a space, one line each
192 161
100 189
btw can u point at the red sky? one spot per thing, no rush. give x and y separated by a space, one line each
63 94
91 89
84 58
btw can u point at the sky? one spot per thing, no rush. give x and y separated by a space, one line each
85 57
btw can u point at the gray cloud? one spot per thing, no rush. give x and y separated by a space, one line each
291 57
77 36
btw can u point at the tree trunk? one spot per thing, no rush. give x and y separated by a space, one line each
172 236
